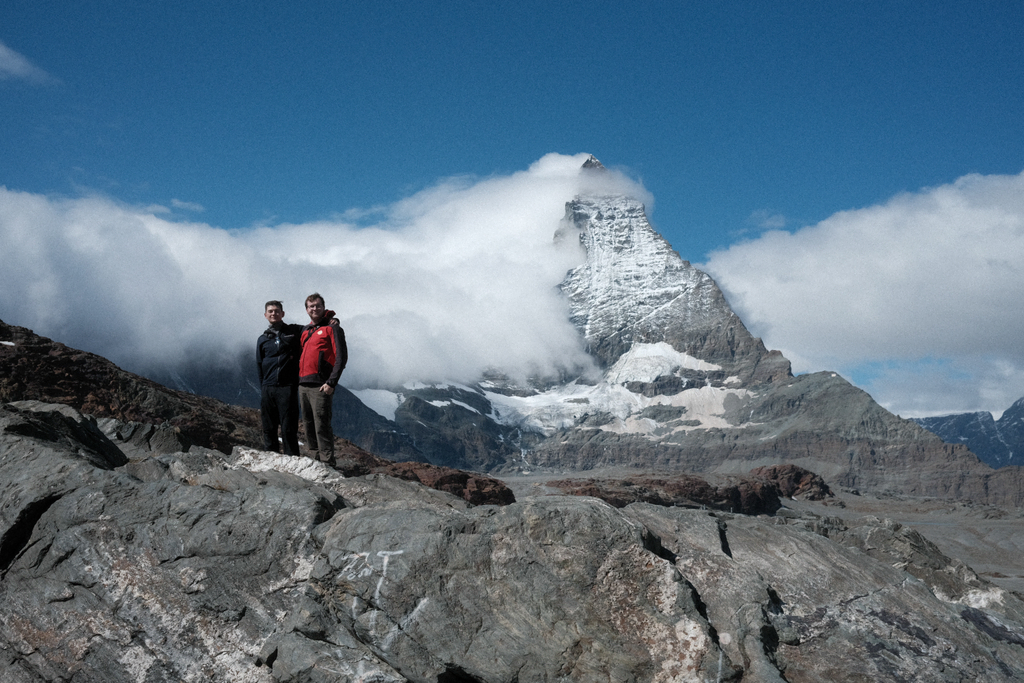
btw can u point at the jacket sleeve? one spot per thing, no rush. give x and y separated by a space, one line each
340 354
259 361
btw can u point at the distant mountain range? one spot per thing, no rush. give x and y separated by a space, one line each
998 443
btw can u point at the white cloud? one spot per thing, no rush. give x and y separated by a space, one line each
921 293
453 280
15 66
187 206
767 219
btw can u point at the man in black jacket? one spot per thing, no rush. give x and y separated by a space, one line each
277 357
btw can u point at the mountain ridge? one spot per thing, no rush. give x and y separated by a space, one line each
684 387
998 443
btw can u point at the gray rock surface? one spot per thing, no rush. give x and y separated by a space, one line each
252 566
141 438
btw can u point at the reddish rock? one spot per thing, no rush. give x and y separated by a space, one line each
475 488
353 461
749 496
794 481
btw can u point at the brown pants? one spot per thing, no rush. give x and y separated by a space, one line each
316 421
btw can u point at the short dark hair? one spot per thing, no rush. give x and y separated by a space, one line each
314 296
273 302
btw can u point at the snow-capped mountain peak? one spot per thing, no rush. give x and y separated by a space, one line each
634 288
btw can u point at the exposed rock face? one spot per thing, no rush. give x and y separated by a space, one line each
453 434
794 481
759 493
255 567
634 288
474 488
354 422
802 617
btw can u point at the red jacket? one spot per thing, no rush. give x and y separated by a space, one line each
324 354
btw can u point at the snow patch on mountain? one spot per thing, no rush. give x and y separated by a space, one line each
648 362
561 407
571 404
380 401
453 402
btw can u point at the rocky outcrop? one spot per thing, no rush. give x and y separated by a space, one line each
793 481
792 602
254 567
748 496
474 488
37 368
758 493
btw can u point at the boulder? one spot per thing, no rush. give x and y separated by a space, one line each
478 489
794 481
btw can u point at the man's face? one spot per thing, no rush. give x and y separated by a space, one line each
274 315
316 309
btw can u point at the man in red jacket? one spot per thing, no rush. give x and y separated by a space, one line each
324 356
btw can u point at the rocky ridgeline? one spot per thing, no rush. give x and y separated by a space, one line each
252 567
998 443
40 369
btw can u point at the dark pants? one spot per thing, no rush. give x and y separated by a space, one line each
279 407
316 421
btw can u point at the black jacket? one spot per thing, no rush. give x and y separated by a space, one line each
277 355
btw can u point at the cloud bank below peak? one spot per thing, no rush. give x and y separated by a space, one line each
454 280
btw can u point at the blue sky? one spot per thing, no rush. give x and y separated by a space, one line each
728 112
738 118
